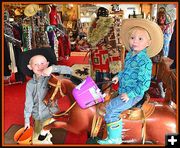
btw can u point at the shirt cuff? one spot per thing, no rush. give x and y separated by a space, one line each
27 121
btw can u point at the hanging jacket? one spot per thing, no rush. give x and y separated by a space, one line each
53 16
64 46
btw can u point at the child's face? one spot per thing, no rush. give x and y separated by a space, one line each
139 39
37 64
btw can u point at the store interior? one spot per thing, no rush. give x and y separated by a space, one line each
66 28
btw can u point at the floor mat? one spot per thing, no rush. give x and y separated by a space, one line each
58 137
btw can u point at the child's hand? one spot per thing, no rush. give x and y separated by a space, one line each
47 71
124 97
106 78
27 125
115 80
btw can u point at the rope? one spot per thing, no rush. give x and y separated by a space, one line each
55 91
58 86
97 127
93 125
62 114
143 128
62 94
96 124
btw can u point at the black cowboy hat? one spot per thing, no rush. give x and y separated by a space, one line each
102 12
25 56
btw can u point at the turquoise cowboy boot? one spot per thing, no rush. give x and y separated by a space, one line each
114 131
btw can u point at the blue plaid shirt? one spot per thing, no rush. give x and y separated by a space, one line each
135 79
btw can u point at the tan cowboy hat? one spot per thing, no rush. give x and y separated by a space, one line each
152 28
18 12
31 10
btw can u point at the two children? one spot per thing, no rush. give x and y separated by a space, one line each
143 39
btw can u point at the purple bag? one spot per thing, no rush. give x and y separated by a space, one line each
87 93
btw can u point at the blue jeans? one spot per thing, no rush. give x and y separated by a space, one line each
167 39
117 106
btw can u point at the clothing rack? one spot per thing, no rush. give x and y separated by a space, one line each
60 30
12 38
9 24
8 78
15 23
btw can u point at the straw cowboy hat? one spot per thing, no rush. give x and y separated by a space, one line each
18 12
152 28
25 56
31 10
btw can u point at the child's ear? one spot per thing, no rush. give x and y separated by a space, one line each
47 63
149 43
29 66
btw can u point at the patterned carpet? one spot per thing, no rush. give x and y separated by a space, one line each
81 70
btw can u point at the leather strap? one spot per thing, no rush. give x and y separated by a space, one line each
96 126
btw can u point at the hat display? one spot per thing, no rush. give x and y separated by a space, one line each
152 28
25 56
102 12
31 10
18 12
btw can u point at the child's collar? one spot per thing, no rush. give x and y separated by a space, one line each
35 78
142 51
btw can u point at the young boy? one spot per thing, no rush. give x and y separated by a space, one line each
37 61
143 39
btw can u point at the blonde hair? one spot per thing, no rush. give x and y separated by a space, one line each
138 28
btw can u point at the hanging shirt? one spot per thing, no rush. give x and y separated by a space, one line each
64 46
13 66
53 16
